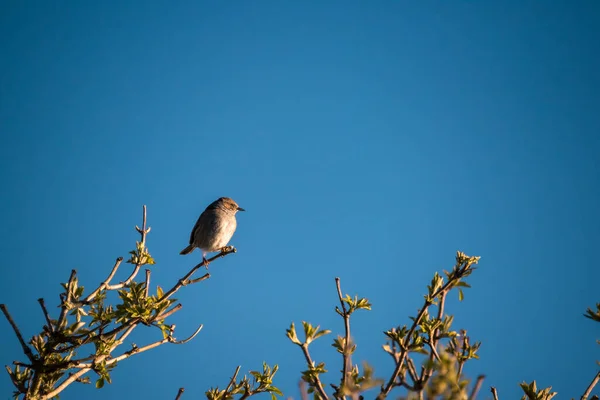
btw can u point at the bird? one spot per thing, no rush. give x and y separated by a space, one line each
214 228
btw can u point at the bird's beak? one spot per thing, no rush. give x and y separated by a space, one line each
241 209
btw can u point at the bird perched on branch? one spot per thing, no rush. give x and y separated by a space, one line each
214 228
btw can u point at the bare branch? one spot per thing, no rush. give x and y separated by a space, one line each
46 315
185 280
172 340
179 393
168 313
12 323
477 386
494 392
106 282
63 311
233 378
143 232
303 391
589 389
147 283
202 278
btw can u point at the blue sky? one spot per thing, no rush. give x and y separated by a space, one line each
366 140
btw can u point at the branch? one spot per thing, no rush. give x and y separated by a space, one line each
346 356
232 381
22 389
433 340
143 232
477 386
494 392
12 323
465 343
168 313
104 284
147 283
185 280
46 315
63 311
172 339
404 351
589 389
127 281
179 393
309 361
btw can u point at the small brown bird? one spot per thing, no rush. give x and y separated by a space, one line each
214 228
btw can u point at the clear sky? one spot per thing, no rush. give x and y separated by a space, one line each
366 140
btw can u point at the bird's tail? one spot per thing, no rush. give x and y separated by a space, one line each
187 250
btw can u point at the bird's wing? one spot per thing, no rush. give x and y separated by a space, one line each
196 227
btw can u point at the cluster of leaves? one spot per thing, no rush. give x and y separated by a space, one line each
428 354
261 382
88 330
87 320
442 365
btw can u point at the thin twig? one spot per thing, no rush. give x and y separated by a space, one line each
433 341
303 392
412 371
494 392
12 323
179 393
233 378
346 356
46 315
63 311
465 344
168 313
185 280
22 389
129 353
202 278
143 232
106 282
589 389
309 361
183 341
147 283
477 386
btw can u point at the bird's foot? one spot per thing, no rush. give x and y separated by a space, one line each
227 249
205 263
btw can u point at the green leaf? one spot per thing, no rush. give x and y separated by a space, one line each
291 334
100 383
275 390
321 333
461 295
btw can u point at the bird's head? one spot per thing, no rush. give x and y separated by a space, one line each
227 204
